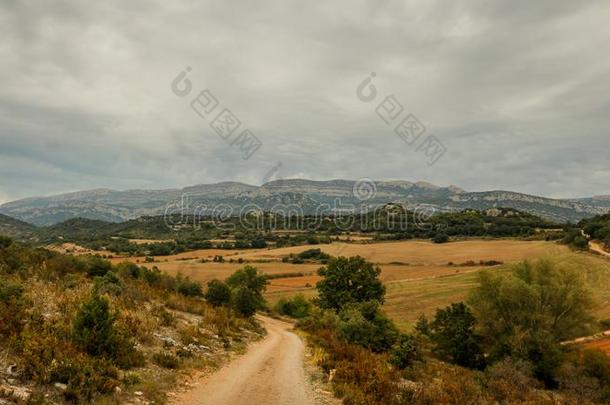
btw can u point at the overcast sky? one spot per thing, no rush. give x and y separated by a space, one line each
517 92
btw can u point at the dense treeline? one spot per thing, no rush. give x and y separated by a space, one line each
597 228
392 222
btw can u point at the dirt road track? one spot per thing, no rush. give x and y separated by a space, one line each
271 372
597 247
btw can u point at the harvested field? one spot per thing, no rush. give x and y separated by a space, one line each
423 252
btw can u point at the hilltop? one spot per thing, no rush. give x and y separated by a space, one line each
307 195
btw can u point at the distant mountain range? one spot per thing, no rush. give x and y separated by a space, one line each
307 195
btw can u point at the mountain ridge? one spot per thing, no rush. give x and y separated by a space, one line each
308 195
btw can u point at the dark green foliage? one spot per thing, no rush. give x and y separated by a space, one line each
187 287
5 242
297 307
348 281
422 326
309 255
452 332
98 267
248 286
246 301
580 242
405 352
110 283
129 270
440 238
94 331
259 243
365 325
166 360
218 293
61 265
597 228
248 277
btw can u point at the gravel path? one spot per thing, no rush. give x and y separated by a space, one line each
271 372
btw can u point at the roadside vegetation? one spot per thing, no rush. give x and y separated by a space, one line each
81 330
502 344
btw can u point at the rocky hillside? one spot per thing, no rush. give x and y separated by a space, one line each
15 228
304 196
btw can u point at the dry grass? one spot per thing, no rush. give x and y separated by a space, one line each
416 273
423 252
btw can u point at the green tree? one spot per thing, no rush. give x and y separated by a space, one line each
250 278
422 326
98 267
94 331
94 327
218 293
452 332
247 286
245 301
347 281
365 325
405 352
528 311
532 297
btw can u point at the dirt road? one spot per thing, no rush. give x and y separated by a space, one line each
271 372
598 247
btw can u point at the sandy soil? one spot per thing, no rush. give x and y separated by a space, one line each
598 247
271 372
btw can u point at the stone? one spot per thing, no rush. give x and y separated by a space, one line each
61 386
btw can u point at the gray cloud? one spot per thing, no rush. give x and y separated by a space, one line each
517 92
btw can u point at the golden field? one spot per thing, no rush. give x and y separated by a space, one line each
420 276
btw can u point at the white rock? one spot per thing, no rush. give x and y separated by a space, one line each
61 386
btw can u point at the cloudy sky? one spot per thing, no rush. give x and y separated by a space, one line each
518 93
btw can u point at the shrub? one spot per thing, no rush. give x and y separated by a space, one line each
361 377
366 326
109 284
348 281
452 332
62 265
440 238
580 242
5 242
218 293
94 332
12 306
248 286
510 380
187 287
128 269
259 243
166 360
85 377
422 326
297 307
245 302
405 352
250 278
98 267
